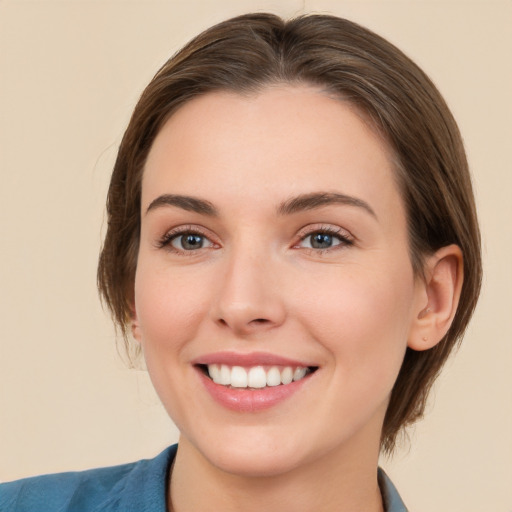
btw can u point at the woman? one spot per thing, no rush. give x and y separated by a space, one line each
292 241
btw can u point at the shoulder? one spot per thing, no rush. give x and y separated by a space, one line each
138 486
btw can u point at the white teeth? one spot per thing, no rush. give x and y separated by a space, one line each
214 373
225 375
256 376
299 373
286 375
238 377
273 376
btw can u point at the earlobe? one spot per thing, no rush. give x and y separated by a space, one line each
442 285
136 332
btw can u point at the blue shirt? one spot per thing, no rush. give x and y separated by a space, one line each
137 487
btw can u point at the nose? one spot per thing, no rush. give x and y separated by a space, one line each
250 298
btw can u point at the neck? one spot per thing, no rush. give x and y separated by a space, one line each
342 480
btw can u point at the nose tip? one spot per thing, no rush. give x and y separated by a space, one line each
250 300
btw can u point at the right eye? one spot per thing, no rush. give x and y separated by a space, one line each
188 241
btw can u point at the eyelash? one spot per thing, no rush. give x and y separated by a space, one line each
344 238
166 241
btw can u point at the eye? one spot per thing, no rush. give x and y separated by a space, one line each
320 241
189 241
325 239
185 239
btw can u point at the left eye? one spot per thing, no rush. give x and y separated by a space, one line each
190 242
321 240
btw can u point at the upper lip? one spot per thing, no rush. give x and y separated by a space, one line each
248 359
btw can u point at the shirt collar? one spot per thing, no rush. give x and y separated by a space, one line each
390 496
148 482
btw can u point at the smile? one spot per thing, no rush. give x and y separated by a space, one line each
255 377
252 382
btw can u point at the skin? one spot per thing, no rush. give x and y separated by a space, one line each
258 285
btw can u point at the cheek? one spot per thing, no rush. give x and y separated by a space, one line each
362 317
168 306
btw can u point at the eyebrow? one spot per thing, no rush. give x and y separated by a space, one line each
296 204
318 199
189 203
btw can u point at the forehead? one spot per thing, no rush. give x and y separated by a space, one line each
281 141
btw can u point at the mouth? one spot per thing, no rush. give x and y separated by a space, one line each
252 382
255 377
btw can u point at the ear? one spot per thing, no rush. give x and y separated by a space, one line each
136 331
440 293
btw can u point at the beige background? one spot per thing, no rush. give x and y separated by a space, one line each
70 74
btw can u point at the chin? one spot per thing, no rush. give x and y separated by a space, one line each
255 463
253 455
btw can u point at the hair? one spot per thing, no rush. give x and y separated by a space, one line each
250 52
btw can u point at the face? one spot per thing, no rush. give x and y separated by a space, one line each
274 294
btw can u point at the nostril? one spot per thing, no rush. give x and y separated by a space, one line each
242 327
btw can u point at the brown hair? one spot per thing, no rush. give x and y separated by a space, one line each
247 53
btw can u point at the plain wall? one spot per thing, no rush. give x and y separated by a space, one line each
70 74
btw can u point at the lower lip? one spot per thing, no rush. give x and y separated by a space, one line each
250 400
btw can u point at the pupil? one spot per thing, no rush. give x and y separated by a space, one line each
321 241
192 242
